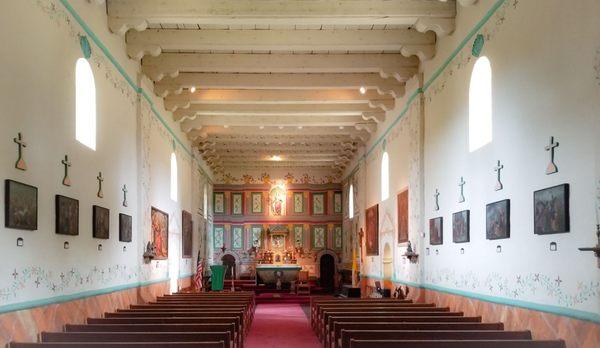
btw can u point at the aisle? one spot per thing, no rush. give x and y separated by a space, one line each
282 325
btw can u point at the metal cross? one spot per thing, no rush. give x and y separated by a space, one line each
462 187
437 196
497 170
551 168
124 189
20 164
66 180
100 194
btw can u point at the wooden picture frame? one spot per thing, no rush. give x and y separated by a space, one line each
436 231
219 203
160 233
372 230
187 228
551 210
402 198
497 220
20 206
101 222
461 226
125 228
66 215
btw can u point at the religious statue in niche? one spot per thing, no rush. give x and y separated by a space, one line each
277 199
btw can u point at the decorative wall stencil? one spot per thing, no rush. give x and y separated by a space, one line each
257 202
160 233
551 210
277 198
237 237
436 195
125 228
305 178
337 202
318 236
318 203
436 231
20 206
298 202
372 230
551 168
101 222
337 237
237 203
477 45
219 203
124 189
402 216
218 236
461 184
100 179
256 236
20 163
86 49
497 220
66 180
298 236
497 170
187 228
67 215
461 226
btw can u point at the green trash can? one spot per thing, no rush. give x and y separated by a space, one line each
218 275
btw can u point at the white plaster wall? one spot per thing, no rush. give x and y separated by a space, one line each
37 89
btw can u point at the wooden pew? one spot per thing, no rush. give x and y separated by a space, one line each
456 344
119 345
316 302
84 337
347 335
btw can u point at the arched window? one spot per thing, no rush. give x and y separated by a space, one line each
173 177
480 105
85 104
351 202
385 176
205 202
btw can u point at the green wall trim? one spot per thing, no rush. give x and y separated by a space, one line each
76 296
138 89
429 82
556 310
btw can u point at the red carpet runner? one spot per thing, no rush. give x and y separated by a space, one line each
281 325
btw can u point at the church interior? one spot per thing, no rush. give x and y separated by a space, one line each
300 173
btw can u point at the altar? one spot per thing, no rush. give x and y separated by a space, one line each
273 274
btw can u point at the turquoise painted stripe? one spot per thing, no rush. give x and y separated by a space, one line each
77 296
138 89
429 82
557 310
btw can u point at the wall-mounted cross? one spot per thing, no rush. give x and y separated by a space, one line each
462 190
497 170
20 164
551 168
100 194
66 180
124 189
437 197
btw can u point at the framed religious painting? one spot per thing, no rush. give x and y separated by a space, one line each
257 202
403 216
237 237
218 236
67 215
160 233
277 199
497 220
237 203
298 236
20 206
256 236
372 233
219 203
337 237
436 231
298 202
101 222
318 203
319 236
187 226
125 228
461 226
337 202
551 210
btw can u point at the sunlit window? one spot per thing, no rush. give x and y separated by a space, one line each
480 105
385 176
205 202
351 202
174 177
85 104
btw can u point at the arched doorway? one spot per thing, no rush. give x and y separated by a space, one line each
229 262
387 262
327 271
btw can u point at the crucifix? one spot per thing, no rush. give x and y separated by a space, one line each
551 168
124 189
100 194
437 197
462 190
20 164
497 170
66 180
